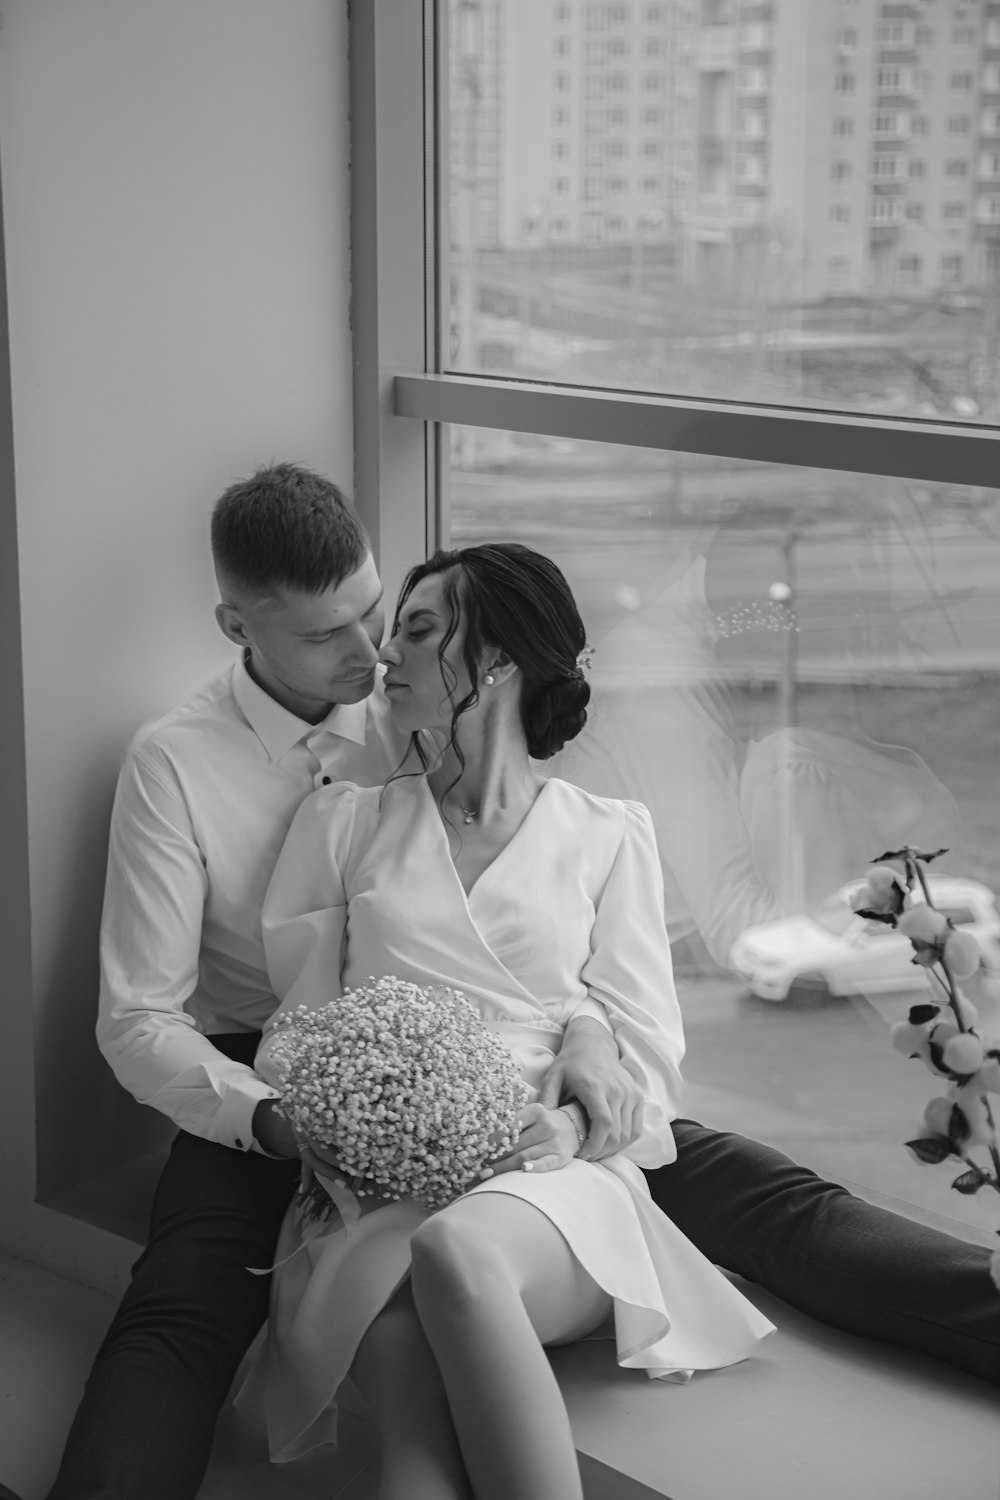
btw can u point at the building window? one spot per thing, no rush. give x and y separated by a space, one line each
917 168
843 126
840 171
915 212
959 125
961 81
840 213
844 83
649 115
652 82
919 125
909 271
954 211
951 268
651 148
956 169
561 46
652 185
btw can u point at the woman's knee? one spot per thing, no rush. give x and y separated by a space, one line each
452 1257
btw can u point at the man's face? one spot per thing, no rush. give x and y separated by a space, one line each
309 651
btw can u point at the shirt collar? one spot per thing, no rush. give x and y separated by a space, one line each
278 729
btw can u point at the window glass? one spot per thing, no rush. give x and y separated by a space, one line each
716 277
795 670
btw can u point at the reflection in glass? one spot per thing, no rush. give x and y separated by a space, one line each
795 670
795 202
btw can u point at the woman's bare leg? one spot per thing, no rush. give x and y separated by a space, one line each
398 1376
493 1281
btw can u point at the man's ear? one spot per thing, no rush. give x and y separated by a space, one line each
230 622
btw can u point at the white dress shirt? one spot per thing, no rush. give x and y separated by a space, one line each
205 798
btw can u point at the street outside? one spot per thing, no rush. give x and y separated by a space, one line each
897 602
817 1079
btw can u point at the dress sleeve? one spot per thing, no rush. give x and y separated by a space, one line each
629 973
304 916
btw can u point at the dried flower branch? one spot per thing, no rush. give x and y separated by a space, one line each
962 1120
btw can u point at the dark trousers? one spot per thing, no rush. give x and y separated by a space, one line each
144 1428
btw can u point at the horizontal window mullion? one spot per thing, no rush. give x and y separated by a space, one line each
953 453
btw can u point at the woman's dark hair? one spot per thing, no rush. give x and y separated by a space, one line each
510 597
286 527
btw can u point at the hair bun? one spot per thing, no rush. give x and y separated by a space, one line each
555 713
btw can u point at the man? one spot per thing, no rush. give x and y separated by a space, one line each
204 801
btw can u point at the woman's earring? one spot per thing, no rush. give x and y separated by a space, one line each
488 679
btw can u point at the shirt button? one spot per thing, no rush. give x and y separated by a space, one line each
327 780
239 1143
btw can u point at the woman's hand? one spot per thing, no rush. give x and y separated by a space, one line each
549 1139
588 1068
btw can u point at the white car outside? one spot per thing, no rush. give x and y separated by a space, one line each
831 946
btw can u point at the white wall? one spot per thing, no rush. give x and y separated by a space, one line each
175 190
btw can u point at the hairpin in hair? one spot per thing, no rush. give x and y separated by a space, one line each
585 659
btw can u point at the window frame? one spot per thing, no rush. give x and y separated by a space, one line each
404 398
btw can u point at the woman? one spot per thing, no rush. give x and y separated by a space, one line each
538 901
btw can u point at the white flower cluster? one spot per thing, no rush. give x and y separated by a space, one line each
405 1085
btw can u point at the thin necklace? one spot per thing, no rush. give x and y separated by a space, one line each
468 815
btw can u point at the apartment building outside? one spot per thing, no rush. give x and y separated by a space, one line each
792 148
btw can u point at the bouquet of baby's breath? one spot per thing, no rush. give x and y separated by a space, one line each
405 1086
942 1033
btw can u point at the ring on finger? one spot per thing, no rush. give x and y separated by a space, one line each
527 1166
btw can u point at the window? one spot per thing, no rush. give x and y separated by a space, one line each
917 168
650 115
919 125
954 211
840 213
840 171
956 169
959 125
915 212
961 81
951 267
843 126
650 148
651 185
843 83
561 47
683 547
909 271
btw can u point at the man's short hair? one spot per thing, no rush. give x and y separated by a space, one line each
286 527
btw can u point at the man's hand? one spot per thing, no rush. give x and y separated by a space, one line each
588 1069
272 1131
275 1136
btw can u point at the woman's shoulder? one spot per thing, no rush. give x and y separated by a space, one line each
620 813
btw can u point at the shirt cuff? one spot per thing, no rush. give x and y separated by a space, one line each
234 1122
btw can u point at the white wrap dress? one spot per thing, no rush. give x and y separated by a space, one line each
567 921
